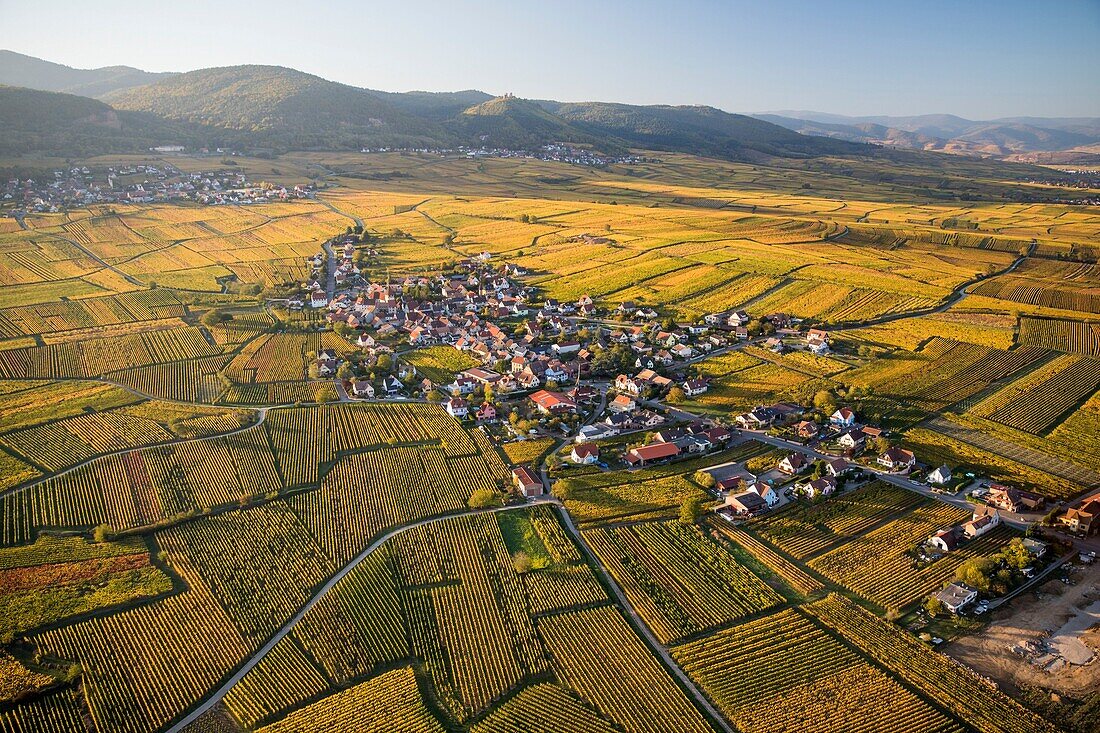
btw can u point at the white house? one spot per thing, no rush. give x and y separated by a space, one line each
985 519
793 464
693 387
945 540
458 407
897 459
957 596
765 492
845 417
941 476
362 388
585 454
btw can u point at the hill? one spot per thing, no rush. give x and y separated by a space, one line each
69 125
19 70
510 122
696 129
279 107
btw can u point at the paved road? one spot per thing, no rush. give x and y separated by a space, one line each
640 625
330 270
252 661
179 441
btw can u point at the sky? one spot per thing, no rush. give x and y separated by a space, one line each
973 58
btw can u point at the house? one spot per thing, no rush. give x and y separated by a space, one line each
851 439
718 435
941 476
817 340
326 367
585 454
946 540
1035 547
844 417
652 453
318 299
897 459
756 418
594 432
745 504
552 403
528 484
838 467
693 387
824 486
486 412
1014 500
458 407
985 518
622 403
956 596
462 386
806 429
1082 519
793 463
765 492
729 484
392 385
362 388
627 385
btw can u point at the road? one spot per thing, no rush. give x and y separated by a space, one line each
180 441
252 661
330 270
953 298
640 625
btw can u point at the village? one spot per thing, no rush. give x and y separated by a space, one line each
139 184
556 152
609 387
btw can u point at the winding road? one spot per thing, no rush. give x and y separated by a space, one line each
259 654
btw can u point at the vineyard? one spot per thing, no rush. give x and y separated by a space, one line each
969 697
783 672
781 566
1035 403
640 696
1071 337
388 702
807 529
877 565
680 581
440 363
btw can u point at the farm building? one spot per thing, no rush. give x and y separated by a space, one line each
527 482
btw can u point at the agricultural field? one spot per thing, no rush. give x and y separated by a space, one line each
679 580
168 479
440 363
784 671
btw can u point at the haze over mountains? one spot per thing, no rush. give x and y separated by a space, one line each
270 107
1013 138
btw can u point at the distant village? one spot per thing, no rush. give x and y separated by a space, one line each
139 184
557 152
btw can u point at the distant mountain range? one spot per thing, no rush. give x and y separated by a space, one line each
55 109
1013 138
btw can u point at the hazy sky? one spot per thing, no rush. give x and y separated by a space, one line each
973 58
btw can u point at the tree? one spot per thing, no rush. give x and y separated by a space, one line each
483 499
705 479
103 533
434 395
345 371
934 606
1016 555
975 572
326 393
691 510
676 395
215 317
824 401
342 329
521 561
